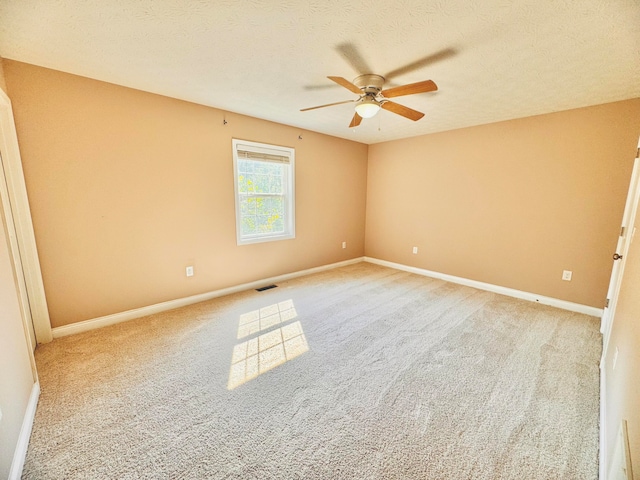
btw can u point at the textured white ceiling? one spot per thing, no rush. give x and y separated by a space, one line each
492 59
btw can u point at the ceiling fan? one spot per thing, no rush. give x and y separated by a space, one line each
372 97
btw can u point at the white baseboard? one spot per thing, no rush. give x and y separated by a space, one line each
99 322
532 297
20 453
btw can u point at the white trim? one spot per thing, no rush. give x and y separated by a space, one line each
510 292
20 453
602 444
289 191
99 322
112 319
22 220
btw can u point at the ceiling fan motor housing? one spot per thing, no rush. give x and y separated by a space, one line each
369 83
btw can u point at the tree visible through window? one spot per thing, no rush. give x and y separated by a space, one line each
264 189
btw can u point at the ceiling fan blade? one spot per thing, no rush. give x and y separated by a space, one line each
422 62
327 105
346 84
419 87
350 52
355 121
402 110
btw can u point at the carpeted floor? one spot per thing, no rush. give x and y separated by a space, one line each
362 372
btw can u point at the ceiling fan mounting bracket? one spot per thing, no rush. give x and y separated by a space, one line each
369 83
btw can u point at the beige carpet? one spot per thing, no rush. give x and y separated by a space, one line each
362 372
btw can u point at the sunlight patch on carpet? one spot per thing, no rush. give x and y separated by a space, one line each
269 350
266 317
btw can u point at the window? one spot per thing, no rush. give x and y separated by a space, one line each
264 177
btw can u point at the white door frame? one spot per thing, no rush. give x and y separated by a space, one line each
17 209
14 251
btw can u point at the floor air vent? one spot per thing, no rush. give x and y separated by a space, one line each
268 287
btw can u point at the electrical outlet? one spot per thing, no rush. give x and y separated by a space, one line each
415 250
566 275
190 271
344 244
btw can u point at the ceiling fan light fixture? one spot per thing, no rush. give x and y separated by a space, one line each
367 107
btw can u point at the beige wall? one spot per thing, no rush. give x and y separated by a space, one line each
623 383
127 188
16 377
512 203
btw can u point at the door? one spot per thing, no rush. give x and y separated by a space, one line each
627 230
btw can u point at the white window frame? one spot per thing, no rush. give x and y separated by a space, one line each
288 191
